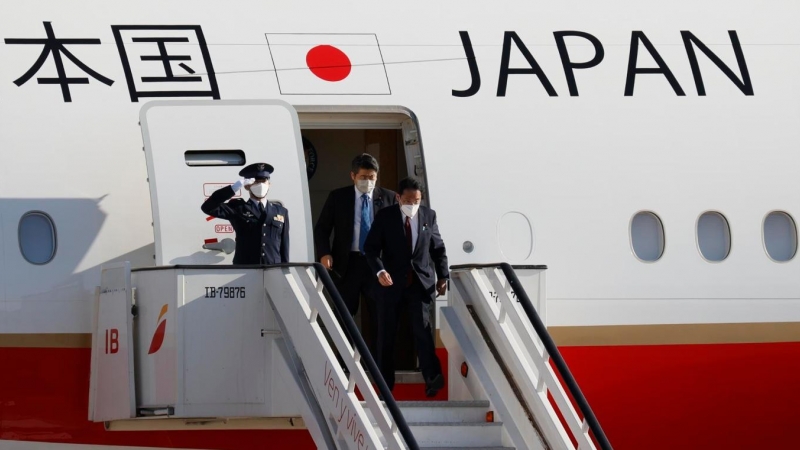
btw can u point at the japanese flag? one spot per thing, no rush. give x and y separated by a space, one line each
314 64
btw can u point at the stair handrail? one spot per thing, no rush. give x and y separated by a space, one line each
366 355
340 308
549 345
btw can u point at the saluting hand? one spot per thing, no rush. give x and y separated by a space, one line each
242 182
385 279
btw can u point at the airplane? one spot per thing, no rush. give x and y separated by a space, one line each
644 153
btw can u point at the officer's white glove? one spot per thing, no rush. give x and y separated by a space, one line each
242 182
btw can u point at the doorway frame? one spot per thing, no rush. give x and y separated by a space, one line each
366 117
358 117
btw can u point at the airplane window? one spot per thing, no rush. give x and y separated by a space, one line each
647 236
206 158
713 236
37 238
780 236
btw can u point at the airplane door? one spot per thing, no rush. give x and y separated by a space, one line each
193 148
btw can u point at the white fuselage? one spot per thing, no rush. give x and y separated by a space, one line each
576 168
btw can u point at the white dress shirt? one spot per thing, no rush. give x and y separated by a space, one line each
414 229
357 219
414 232
256 201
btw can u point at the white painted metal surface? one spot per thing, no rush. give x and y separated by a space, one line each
485 379
218 356
297 297
453 424
486 294
265 130
533 281
158 295
209 346
226 340
112 392
577 167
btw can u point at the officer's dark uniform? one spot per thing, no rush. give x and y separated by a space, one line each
261 238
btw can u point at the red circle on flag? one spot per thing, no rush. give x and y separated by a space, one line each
328 62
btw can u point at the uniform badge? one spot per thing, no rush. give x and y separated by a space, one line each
279 218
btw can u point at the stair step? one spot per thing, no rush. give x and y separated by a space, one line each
451 424
444 403
458 435
472 411
445 411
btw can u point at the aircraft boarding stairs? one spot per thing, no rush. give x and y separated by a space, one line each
249 347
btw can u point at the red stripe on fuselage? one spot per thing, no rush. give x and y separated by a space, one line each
733 396
44 395
667 397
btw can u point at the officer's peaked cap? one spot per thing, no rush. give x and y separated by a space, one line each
257 170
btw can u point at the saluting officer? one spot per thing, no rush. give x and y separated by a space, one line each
262 227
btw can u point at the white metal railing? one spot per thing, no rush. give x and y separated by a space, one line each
489 294
297 296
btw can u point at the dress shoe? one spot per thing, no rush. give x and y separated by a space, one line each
434 385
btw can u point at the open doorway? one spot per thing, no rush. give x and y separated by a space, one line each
332 138
335 150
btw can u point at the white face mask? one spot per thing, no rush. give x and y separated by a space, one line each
410 210
259 189
365 186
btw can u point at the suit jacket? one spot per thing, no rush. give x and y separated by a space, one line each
260 238
387 249
338 216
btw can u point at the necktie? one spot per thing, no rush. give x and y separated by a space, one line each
410 242
261 208
366 221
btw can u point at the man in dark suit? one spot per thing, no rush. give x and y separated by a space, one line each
262 227
348 213
407 254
